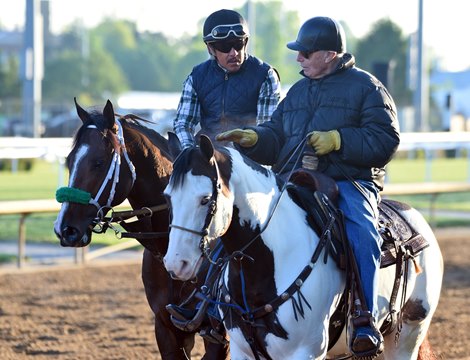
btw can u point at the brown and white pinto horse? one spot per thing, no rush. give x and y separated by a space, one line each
113 159
270 308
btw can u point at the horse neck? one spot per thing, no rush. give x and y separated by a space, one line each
153 170
255 190
281 220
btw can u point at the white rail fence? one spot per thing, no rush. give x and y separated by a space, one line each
56 149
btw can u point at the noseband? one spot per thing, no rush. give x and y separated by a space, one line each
69 194
212 209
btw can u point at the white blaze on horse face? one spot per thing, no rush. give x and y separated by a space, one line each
81 154
189 210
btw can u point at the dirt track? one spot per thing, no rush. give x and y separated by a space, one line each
100 312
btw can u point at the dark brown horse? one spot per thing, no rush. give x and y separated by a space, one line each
113 159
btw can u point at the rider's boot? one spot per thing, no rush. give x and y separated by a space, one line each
367 341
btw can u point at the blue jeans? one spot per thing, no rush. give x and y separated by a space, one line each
361 217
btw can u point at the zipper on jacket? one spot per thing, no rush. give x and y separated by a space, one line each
224 93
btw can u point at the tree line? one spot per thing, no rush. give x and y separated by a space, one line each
101 62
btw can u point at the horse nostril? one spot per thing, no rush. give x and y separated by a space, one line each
70 233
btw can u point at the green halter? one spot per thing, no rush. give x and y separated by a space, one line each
68 194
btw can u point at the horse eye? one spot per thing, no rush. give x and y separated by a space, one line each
98 163
205 200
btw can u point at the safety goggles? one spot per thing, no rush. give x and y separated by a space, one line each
221 32
226 46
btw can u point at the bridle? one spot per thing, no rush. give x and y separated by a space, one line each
212 209
70 194
114 169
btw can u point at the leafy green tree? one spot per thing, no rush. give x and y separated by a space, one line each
69 74
272 31
104 77
386 44
114 56
62 77
10 86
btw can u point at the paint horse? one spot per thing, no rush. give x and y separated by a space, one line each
269 308
113 159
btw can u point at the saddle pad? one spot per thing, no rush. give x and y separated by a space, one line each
396 232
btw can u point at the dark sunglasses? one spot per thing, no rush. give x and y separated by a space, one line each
226 46
306 54
221 32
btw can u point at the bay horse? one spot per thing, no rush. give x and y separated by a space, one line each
113 159
219 193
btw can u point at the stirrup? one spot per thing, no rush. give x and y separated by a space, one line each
363 320
188 325
213 336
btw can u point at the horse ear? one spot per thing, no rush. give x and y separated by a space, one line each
206 146
82 113
108 114
174 144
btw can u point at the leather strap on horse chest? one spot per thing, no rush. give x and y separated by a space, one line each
293 288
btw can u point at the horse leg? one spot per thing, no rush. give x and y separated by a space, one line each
411 338
426 352
172 343
216 351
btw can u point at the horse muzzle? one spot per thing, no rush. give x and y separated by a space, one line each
72 237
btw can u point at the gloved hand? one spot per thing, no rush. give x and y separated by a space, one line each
245 138
324 142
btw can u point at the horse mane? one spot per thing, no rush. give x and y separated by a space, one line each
155 137
183 160
131 121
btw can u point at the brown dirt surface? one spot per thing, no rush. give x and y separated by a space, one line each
100 311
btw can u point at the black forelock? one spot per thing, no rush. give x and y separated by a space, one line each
192 159
181 166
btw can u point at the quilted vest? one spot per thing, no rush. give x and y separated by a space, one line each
228 100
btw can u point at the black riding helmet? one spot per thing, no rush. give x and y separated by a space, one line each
319 33
224 24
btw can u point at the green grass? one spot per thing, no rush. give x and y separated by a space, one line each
39 183
4 258
44 179
442 170
414 170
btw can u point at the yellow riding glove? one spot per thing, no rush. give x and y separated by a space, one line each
325 142
245 138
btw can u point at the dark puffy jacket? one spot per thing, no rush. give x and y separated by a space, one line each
349 100
227 97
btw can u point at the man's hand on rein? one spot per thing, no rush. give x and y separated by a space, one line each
325 142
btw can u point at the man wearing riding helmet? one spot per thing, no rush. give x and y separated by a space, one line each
349 121
229 90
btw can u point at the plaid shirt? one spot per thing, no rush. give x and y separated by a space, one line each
188 114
